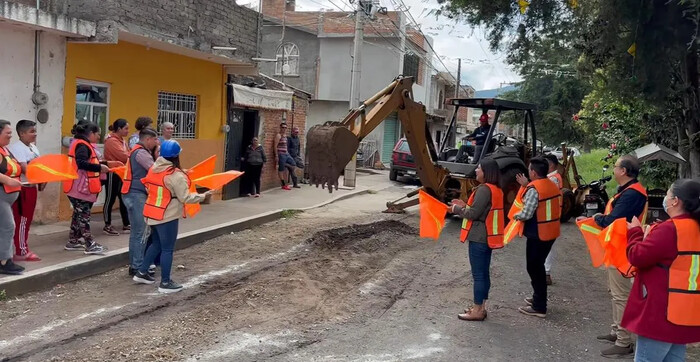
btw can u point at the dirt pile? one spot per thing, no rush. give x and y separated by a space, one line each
363 237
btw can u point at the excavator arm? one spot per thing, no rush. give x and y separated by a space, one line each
331 146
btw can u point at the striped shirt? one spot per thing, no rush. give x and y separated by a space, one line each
282 145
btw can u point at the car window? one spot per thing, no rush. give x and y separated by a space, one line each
403 147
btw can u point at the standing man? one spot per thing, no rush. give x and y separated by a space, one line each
294 149
25 151
541 213
282 158
166 131
555 177
630 201
479 135
134 194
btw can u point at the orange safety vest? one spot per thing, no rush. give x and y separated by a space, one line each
684 276
548 210
494 219
94 184
637 187
128 176
14 170
159 196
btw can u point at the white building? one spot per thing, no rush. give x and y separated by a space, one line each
23 30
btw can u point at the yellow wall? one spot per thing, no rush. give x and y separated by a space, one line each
136 74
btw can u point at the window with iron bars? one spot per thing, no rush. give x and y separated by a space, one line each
180 110
411 62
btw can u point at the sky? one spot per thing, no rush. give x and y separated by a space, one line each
481 68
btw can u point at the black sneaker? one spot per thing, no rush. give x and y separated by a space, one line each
169 287
531 312
618 352
74 246
95 249
143 278
607 338
109 230
11 268
132 271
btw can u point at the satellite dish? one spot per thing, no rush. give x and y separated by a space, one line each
42 116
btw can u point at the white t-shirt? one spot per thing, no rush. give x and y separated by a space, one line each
24 153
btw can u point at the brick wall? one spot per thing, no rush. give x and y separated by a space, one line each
268 130
197 24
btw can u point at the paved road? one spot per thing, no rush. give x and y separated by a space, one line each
340 283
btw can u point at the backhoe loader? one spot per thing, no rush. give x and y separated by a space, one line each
332 145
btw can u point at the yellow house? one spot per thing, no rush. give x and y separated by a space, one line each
133 78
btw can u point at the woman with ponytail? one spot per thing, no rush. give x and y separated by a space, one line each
663 308
82 193
116 150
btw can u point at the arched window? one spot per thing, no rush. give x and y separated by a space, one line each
287 60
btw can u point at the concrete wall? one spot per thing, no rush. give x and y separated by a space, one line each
197 24
16 81
380 66
308 55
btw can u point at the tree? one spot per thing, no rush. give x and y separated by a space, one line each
646 49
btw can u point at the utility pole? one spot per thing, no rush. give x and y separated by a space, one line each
350 169
457 84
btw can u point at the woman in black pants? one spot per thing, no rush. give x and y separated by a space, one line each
254 160
116 151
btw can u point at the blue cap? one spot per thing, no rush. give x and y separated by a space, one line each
170 148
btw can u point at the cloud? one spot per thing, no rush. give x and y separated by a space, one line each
481 68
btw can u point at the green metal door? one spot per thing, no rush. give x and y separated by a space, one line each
391 135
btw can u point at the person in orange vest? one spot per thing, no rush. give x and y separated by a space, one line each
483 216
82 193
663 308
168 189
540 212
10 171
555 177
629 202
139 161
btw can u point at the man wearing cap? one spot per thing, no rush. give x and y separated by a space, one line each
479 135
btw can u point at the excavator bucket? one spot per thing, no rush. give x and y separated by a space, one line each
329 148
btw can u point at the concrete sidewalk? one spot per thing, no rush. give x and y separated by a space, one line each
220 217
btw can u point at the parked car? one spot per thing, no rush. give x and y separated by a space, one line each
558 152
402 163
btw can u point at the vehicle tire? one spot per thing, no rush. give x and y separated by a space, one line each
568 205
393 175
509 185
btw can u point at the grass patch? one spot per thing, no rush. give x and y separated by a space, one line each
372 192
590 168
290 213
3 295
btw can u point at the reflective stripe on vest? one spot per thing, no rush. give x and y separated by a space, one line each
684 276
128 175
494 219
14 170
518 205
548 210
159 196
94 184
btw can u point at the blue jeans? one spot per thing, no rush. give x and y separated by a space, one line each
164 237
134 202
480 261
649 350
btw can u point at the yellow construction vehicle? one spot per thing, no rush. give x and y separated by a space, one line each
331 146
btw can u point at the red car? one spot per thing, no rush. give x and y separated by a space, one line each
402 163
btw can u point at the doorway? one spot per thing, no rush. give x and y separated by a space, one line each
244 125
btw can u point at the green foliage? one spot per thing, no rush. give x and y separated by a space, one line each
3 295
288 213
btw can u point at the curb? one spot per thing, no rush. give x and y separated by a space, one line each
69 271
